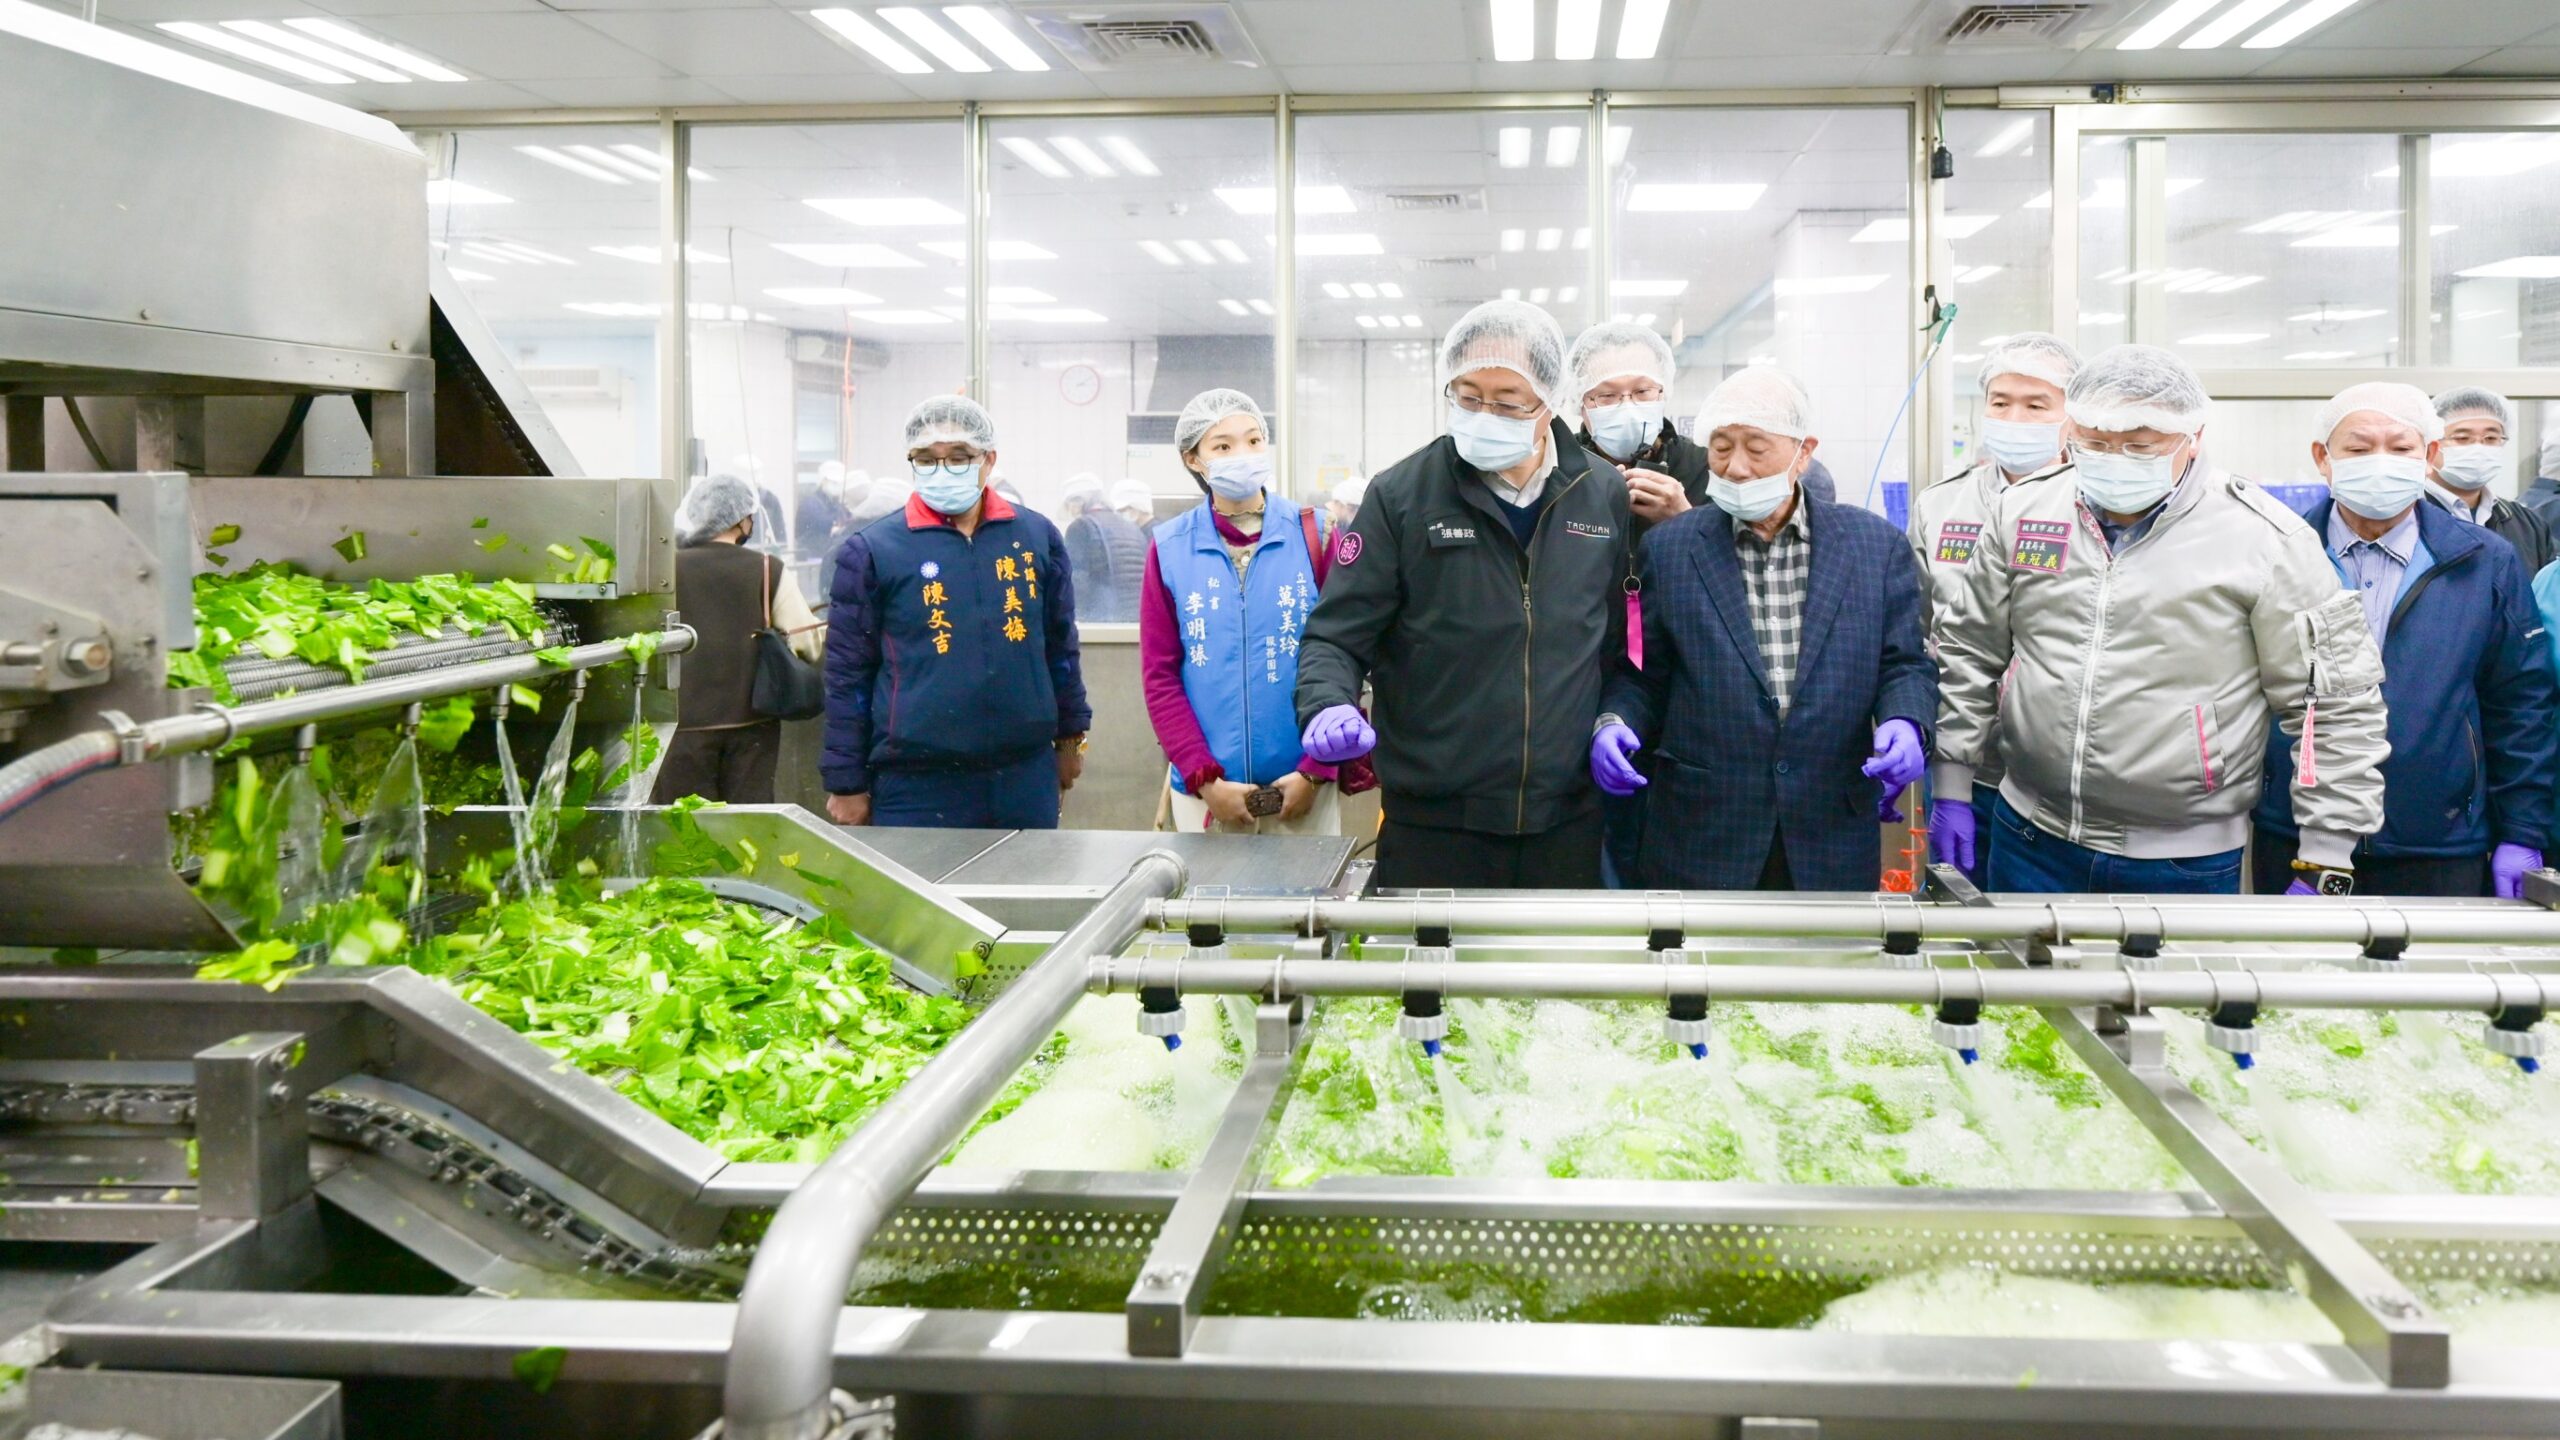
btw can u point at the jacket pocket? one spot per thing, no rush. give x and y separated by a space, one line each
2343 658
1675 804
2208 744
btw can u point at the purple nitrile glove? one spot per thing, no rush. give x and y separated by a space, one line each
1612 766
2507 865
2302 887
1898 759
1952 833
1339 733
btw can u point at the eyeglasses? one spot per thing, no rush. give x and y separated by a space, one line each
1475 406
2138 452
1642 395
919 457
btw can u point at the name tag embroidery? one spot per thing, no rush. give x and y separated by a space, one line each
1956 540
1595 532
2043 545
1453 534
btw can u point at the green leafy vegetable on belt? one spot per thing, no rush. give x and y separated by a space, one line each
282 613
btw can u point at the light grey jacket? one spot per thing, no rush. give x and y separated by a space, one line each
1947 521
2134 690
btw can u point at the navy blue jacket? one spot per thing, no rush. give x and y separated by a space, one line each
2475 720
1726 773
947 652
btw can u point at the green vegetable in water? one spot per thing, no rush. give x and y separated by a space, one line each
540 1368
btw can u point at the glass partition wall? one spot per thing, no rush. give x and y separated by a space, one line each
1132 254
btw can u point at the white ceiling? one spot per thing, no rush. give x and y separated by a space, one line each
554 53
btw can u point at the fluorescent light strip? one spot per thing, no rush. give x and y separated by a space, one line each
920 28
1262 199
2011 136
2179 15
2293 25
1233 307
2321 355
454 192
988 30
304 45
1568 294
1514 294
1582 237
533 253
1563 143
1367 322
1515 239
1391 289
1648 289
1538 295
1195 252
1511 146
571 163
1161 251
599 156
657 163
2230 23
1550 237
1335 289
872 41
267 55
821 295
1230 250
2519 267
1131 158
1364 290
356 41
1515 30
1083 155
1261 307
1640 28
1028 151
1577 29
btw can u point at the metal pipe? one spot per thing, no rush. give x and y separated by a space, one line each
2273 920
2122 989
781 1356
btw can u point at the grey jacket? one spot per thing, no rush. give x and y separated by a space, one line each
2135 689
1947 521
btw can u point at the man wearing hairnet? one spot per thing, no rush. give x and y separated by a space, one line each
723 750
1136 503
1343 501
2542 497
1109 554
2133 630
2477 424
1783 692
2020 442
1621 380
1478 592
2466 668
955 691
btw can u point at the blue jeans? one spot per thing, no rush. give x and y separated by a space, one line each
1022 795
2026 860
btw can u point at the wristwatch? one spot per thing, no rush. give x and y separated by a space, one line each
1077 743
1265 800
2328 880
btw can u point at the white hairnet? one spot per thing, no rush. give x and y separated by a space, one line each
2136 387
950 417
1133 495
2475 400
1205 410
1083 491
1617 350
2034 354
1509 335
1761 396
715 503
2388 398
1351 489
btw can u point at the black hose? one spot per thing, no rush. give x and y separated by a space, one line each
80 423
273 461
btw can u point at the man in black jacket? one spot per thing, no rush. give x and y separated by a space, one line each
1621 373
2479 426
1478 591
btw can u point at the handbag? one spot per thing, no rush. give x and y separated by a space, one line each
786 686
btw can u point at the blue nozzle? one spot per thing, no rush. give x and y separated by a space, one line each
2245 1062
2528 1065
1173 1042
1968 1056
1431 1049
1697 1052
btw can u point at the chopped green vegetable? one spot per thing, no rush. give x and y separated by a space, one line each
540 1369
526 696
479 522
557 655
494 543
351 547
216 559
222 535
281 612
561 553
76 955
445 722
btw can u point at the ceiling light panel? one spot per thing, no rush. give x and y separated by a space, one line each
2163 27
1131 158
941 44
1162 252
297 43
1195 252
1563 143
1511 145
2230 23
1261 307
1640 28
572 164
1085 157
871 40
1515 29
1577 29
2011 136
2295 24
988 28
1030 153
244 48
346 37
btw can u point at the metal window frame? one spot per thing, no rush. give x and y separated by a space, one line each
2412 110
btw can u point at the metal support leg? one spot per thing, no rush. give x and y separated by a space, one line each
253 1137
1183 1263
404 433
168 433
26 433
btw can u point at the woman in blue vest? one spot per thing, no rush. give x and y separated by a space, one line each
1229 583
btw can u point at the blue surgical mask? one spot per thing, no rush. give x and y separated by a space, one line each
1750 500
2021 447
950 488
2123 484
2377 487
1492 442
2468 467
1623 430
1240 476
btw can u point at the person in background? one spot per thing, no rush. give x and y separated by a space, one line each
2542 497
1621 378
1343 501
2133 633
722 749
1230 583
1109 554
2466 670
955 690
1478 591
818 519
2477 423
2021 442
1785 675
